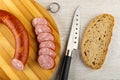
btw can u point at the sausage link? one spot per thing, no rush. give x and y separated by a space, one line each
21 38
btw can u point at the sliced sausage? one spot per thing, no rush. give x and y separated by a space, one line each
39 20
46 62
21 39
47 44
45 37
47 51
41 28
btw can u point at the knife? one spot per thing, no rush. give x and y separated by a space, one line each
72 45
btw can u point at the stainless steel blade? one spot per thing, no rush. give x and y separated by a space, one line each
72 44
74 34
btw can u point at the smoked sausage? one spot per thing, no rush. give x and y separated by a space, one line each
39 20
46 62
21 39
45 37
47 44
41 28
47 51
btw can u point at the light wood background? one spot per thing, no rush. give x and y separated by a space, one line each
89 9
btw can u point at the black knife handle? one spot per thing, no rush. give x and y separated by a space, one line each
65 68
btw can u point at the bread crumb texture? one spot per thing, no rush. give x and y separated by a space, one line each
96 40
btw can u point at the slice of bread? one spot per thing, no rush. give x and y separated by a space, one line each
96 40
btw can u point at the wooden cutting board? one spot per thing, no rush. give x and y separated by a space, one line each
25 11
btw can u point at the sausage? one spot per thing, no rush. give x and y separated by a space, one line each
39 20
41 28
47 44
21 38
45 37
46 62
47 51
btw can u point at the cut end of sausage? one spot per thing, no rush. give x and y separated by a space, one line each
47 51
39 20
46 62
17 64
47 44
45 37
41 28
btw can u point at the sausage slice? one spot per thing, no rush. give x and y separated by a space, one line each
41 28
45 37
47 44
39 20
46 62
47 51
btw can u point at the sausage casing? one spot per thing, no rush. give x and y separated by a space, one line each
21 38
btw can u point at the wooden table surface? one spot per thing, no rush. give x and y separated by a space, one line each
25 11
89 9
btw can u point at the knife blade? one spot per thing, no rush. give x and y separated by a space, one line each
72 44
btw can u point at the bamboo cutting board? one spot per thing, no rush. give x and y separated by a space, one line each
25 11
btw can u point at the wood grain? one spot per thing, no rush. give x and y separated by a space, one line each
25 11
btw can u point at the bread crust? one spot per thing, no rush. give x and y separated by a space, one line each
95 28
